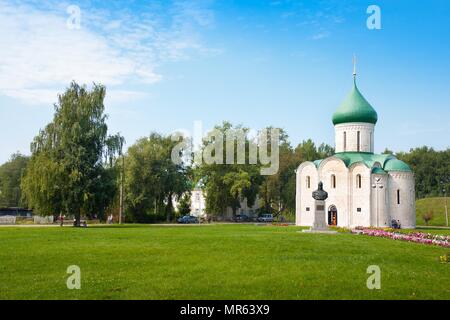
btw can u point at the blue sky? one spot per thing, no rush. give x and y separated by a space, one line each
286 63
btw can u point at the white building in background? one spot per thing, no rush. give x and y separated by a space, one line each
198 206
364 189
197 202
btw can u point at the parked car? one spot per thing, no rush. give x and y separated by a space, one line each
188 219
241 218
267 217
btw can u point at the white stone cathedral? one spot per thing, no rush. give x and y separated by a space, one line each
364 188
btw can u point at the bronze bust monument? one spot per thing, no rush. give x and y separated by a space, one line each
320 194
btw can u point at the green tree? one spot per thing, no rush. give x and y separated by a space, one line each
184 206
10 177
431 170
227 184
307 151
72 169
325 151
275 192
152 179
278 191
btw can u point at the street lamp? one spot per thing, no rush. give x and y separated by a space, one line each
444 191
446 211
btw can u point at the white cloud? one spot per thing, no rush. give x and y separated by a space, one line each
40 55
321 35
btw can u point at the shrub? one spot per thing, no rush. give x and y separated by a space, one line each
341 229
427 216
184 206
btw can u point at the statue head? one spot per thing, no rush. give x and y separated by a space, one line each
320 194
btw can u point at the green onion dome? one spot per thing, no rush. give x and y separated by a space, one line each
355 108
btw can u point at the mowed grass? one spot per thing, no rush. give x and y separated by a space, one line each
435 205
433 230
214 262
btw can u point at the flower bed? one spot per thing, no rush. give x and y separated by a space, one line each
279 224
417 237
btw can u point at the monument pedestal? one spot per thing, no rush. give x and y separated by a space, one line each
319 224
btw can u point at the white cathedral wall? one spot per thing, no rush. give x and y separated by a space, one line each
406 210
340 195
347 197
360 197
303 197
351 132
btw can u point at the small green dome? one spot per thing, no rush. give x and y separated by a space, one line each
317 162
377 170
396 165
355 108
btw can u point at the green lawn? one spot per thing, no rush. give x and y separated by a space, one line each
214 262
436 205
433 230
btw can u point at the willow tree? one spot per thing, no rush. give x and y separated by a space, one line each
10 176
153 180
231 177
71 170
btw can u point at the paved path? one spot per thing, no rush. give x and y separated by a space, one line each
152 224
27 225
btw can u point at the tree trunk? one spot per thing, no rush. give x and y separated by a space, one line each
169 207
77 218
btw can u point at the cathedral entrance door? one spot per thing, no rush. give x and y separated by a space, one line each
332 216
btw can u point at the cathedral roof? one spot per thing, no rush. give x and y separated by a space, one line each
369 159
388 162
377 170
317 162
355 108
396 165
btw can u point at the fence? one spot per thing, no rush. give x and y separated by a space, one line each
7 220
43 220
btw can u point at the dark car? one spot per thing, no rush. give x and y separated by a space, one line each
241 218
188 219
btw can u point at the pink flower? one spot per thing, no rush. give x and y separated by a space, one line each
417 237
